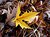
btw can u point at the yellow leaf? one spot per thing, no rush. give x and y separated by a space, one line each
26 16
17 23
18 11
23 24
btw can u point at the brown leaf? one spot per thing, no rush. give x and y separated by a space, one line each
10 15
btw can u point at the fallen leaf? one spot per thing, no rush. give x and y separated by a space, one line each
26 16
